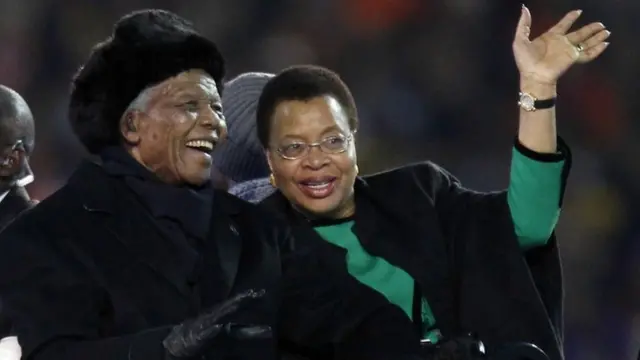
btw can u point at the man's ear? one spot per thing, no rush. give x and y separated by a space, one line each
129 126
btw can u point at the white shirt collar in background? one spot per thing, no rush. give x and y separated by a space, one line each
10 349
2 196
22 183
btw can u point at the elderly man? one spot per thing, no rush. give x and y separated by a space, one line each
17 137
138 258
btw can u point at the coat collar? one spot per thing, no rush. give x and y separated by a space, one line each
114 202
103 201
408 237
16 197
15 201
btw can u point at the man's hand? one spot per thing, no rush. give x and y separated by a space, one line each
194 336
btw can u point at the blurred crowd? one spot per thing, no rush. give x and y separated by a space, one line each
433 80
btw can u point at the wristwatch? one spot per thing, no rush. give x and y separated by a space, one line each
529 102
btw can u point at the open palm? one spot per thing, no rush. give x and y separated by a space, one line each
551 54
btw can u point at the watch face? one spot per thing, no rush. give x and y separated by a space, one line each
527 102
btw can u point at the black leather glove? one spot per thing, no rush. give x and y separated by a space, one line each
193 337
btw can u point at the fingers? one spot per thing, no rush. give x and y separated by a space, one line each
189 338
219 313
591 38
584 33
185 341
248 332
593 52
523 28
203 334
231 305
257 293
565 24
245 296
595 40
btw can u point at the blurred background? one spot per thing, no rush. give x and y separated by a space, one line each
433 80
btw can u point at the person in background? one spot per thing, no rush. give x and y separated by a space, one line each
17 141
137 257
453 259
240 160
17 138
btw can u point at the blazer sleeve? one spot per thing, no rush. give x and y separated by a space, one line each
55 311
323 309
479 230
458 205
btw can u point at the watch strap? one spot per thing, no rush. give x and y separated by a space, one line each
545 104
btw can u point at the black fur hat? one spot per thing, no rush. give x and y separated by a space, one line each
146 48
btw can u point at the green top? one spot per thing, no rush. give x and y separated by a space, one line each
533 197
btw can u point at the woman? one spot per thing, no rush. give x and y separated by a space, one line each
453 259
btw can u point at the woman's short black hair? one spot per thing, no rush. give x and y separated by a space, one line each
302 82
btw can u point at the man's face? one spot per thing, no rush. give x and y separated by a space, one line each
17 136
180 125
12 156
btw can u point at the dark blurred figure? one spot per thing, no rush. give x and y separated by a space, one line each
139 258
240 160
17 139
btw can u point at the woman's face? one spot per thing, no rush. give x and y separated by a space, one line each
316 179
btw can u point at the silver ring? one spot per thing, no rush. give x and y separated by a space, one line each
580 48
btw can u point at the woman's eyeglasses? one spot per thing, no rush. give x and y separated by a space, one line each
330 145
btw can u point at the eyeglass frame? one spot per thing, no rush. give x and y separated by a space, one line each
318 144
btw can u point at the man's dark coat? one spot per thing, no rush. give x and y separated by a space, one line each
16 201
87 275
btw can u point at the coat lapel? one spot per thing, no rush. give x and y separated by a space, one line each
124 219
226 237
306 238
412 242
16 201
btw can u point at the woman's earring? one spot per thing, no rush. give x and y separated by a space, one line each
357 170
272 180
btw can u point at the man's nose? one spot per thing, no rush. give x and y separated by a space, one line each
211 120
